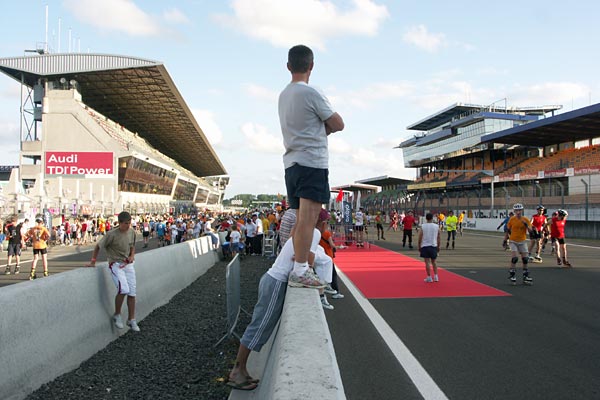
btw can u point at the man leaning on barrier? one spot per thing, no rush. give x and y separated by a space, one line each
119 244
271 296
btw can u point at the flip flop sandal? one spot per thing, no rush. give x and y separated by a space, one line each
246 385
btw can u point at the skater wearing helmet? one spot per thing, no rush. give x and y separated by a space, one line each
538 221
516 232
557 236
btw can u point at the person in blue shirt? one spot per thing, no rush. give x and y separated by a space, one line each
503 223
160 233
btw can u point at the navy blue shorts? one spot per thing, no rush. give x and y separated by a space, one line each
307 183
429 252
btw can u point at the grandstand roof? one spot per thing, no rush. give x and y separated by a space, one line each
385 181
354 187
580 124
136 93
448 113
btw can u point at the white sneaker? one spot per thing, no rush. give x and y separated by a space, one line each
337 296
326 304
435 278
118 321
428 280
133 325
330 290
308 279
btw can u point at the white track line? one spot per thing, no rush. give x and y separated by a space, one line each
423 382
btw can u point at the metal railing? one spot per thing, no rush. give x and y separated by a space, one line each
234 307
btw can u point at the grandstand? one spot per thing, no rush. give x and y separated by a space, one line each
104 133
482 159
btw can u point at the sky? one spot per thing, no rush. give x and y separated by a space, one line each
383 65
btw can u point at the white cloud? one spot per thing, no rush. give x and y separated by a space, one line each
260 92
377 91
386 143
337 145
258 138
547 93
284 23
208 124
115 15
420 37
363 164
175 16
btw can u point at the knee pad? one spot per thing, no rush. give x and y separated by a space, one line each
514 260
525 260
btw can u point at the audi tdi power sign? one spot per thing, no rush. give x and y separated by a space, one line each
81 163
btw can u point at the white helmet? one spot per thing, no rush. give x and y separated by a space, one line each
518 206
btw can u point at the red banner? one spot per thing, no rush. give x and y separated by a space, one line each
587 170
90 163
555 173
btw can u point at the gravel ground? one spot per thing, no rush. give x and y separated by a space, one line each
173 356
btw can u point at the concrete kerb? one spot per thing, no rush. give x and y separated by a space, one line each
51 325
299 360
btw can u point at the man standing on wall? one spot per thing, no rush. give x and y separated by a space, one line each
306 119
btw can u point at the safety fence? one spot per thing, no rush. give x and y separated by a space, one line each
232 286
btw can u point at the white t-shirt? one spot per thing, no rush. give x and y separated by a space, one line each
250 229
235 236
259 226
284 264
359 218
430 234
302 112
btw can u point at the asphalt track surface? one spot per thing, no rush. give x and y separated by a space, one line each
542 342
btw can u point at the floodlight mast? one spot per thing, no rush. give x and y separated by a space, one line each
489 172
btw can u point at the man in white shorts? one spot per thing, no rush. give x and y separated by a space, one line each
120 250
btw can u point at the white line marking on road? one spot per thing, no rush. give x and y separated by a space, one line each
423 382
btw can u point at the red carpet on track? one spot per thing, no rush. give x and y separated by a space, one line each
383 274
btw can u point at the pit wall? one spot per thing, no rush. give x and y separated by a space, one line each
50 326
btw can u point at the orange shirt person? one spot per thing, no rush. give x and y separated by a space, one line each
516 230
39 236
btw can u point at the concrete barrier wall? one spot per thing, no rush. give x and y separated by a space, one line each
49 326
299 361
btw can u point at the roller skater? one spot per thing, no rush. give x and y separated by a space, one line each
516 231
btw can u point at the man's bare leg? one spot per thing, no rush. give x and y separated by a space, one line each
239 374
303 231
